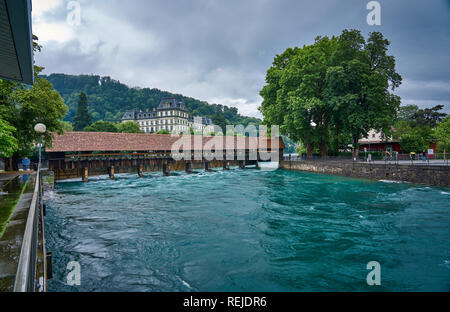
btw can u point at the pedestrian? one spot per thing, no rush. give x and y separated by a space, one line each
424 156
25 163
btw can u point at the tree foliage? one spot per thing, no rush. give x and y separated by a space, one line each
338 87
413 139
83 118
429 116
102 126
108 126
23 107
415 127
407 112
412 142
8 143
220 120
129 127
163 131
442 134
67 126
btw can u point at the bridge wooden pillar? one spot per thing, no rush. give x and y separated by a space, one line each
207 167
111 172
189 167
85 174
141 171
166 169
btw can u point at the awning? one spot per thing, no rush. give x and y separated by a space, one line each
16 43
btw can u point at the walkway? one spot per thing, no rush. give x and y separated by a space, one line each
16 192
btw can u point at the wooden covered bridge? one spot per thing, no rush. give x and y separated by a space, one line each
84 154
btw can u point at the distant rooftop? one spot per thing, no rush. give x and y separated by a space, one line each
165 104
171 103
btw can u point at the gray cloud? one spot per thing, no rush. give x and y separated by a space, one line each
219 51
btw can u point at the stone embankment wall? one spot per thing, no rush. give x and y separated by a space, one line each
431 175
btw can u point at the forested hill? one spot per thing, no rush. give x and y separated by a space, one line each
109 99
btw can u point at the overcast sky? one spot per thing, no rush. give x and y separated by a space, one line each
220 50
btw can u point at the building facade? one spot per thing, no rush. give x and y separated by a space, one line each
378 142
171 115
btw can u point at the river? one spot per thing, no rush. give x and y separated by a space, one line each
248 230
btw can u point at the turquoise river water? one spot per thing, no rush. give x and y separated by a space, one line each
248 230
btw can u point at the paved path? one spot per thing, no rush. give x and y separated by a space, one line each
14 207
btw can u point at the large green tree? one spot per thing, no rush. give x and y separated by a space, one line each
129 127
8 143
83 119
219 119
413 142
442 134
337 87
102 126
429 116
413 139
407 112
23 107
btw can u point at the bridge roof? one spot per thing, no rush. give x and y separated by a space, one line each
143 142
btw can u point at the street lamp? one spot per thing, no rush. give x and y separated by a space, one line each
40 130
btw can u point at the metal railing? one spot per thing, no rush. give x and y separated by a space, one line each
26 277
439 159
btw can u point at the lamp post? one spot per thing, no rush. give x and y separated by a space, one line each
40 130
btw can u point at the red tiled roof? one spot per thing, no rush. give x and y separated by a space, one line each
141 142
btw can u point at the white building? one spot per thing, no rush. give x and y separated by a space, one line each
171 115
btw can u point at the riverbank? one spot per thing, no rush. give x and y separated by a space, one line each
429 175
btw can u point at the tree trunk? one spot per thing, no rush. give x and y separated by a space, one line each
324 149
355 149
309 149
